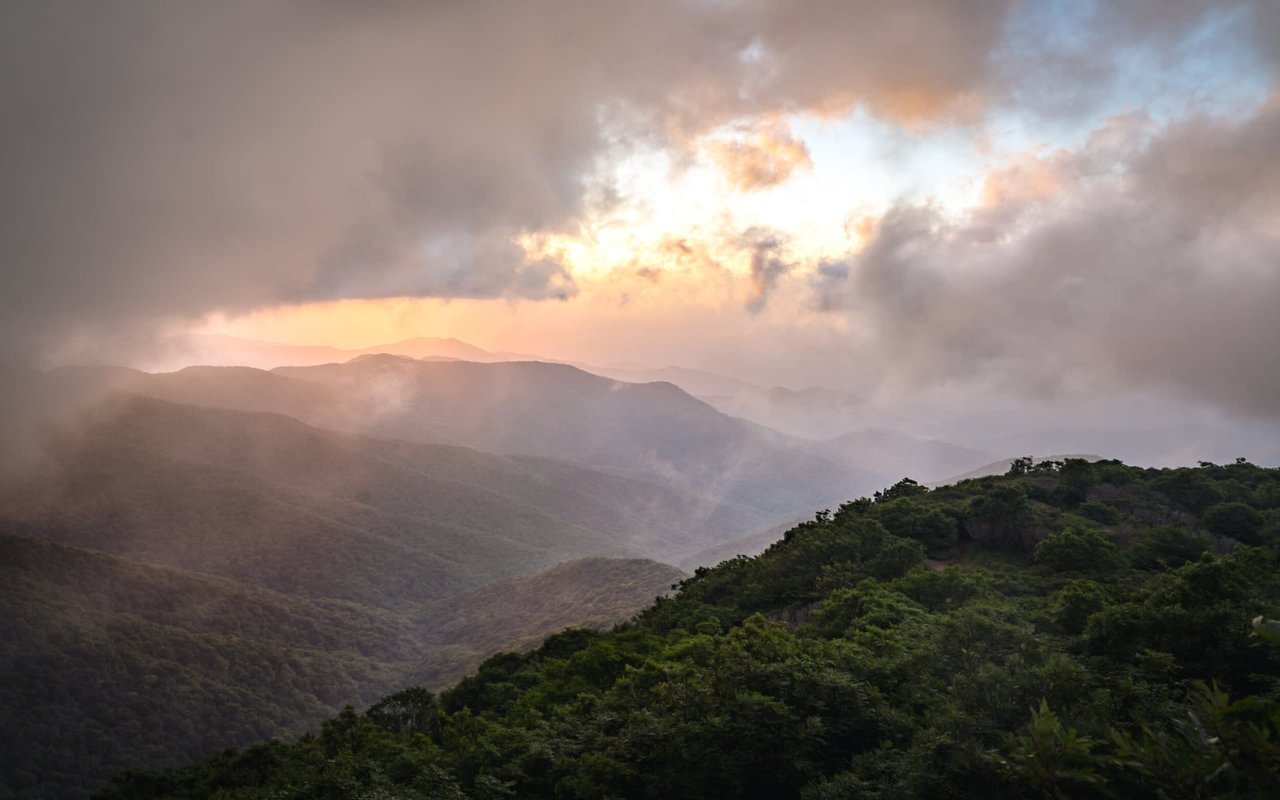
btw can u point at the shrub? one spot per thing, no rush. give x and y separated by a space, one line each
1237 520
1075 549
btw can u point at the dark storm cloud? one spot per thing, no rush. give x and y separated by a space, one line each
171 158
1149 259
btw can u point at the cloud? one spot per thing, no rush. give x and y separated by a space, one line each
826 282
1147 259
759 157
768 263
164 160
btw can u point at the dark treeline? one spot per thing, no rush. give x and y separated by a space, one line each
1068 630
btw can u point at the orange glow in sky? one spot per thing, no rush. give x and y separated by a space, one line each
671 250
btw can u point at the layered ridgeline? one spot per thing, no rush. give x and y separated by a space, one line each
268 501
554 410
882 439
1067 630
740 478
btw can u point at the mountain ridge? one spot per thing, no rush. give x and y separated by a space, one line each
342 492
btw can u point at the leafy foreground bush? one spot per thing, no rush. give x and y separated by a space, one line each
1123 653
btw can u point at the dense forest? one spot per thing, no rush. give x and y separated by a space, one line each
107 663
1067 630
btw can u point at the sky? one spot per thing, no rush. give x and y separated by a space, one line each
1069 206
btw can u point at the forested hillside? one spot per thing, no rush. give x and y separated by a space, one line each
107 663
1067 630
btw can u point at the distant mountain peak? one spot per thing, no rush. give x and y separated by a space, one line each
374 358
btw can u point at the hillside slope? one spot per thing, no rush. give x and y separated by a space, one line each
1102 631
271 502
733 477
586 592
559 411
108 663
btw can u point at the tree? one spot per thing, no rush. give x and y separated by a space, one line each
1189 488
927 524
1075 549
1000 516
1167 547
1078 600
1078 474
895 559
1239 521
903 488
406 711
1053 759
1021 466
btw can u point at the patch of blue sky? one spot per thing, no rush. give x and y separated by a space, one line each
1066 69
1215 71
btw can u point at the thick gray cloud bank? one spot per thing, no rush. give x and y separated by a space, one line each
173 158
1149 258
